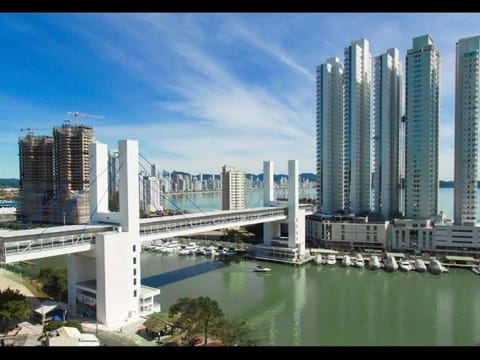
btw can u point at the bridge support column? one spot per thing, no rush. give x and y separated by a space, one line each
270 230
118 254
296 217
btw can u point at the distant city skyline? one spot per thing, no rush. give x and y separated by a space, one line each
199 90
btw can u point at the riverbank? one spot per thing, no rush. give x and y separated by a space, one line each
14 281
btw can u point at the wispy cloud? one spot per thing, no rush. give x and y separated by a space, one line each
201 90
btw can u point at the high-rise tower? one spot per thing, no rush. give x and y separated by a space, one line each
233 188
357 168
467 76
422 121
387 118
330 135
36 178
71 172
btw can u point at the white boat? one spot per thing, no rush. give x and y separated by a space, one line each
435 267
405 265
359 262
331 260
420 265
260 268
318 259
374 262
346 261
390 263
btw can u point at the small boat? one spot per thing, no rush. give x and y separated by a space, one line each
318 259
374 262
420 265
331 260
260 268
405 265
390 263
359 262
435 267
346 261
476 269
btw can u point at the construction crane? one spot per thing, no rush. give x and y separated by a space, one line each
31 130
76 114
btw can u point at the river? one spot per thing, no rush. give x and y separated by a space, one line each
322 305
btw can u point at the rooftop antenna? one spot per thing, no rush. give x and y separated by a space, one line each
76 114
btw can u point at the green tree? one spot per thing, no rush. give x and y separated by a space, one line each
185 317
196 315
210 313
234 332
53 325
12 306
54 282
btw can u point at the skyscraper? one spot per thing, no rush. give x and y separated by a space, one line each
467 76
330 136
387 117
357 85
71 173
152 194
422 120
233 188
36 178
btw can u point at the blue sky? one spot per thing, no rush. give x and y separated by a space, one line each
199 90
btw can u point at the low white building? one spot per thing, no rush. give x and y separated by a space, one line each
348 232
416 235
457 239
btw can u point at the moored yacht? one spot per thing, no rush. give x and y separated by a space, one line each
331 260
390 263
405 265
318 259
435 267
346 260
420 265
359 262
374 262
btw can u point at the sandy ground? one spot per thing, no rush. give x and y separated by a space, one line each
14 281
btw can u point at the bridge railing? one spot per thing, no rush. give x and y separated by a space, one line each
44 244
204 222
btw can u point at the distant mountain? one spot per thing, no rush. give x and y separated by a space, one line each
12 182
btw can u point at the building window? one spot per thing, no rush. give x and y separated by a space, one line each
134 261
134 248
134 272
134 293
135 281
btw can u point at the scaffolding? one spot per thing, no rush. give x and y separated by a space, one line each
54 176
72 173
36 177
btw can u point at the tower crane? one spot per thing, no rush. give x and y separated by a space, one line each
76 114
31 130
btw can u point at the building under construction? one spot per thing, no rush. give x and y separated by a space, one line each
71 173
65 174
36 178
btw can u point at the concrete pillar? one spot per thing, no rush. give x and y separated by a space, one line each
98 180
296 217
268 186
128 186
269 229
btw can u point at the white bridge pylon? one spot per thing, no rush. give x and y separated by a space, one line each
104 263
